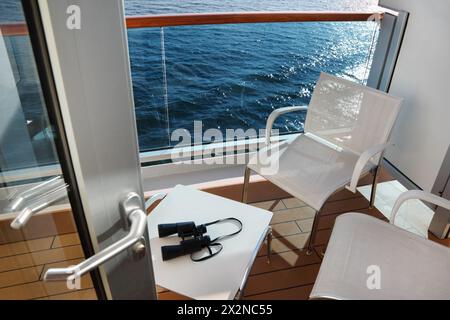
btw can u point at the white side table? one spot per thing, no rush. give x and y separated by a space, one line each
223 276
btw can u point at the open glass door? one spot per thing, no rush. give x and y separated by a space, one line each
72 224
38 227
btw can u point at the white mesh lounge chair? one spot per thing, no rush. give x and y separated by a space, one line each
346 131
407 265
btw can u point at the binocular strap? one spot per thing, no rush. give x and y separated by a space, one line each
214 242
211 253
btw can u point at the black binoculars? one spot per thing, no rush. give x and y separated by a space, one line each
182 229
197 239
185 247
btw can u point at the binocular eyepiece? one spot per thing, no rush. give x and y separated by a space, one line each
185 247
182 229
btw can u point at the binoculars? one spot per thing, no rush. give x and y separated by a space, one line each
184 230
197 240
188 246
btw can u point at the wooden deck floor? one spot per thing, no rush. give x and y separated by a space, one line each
291 273
23 264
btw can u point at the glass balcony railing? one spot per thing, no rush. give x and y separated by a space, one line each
225 70
231 76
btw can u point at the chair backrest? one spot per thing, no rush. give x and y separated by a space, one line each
350 115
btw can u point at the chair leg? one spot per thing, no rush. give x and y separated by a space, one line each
313 234
245 186
374 187
269 245
274 204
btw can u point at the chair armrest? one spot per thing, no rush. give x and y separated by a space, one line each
361 163
419 195
275 114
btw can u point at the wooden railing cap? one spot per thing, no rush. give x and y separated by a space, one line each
185 19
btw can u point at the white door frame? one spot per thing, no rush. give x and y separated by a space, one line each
92 75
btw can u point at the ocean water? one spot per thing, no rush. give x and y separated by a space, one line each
227 76
233 76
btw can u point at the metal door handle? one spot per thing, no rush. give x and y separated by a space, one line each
135 218
36 191
43 202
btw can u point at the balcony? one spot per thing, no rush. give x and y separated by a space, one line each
235 84
171 94
225 85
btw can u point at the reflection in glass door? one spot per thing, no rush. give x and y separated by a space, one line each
37 226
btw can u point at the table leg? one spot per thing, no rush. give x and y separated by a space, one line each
268 237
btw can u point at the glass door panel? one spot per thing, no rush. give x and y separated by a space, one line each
46 236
